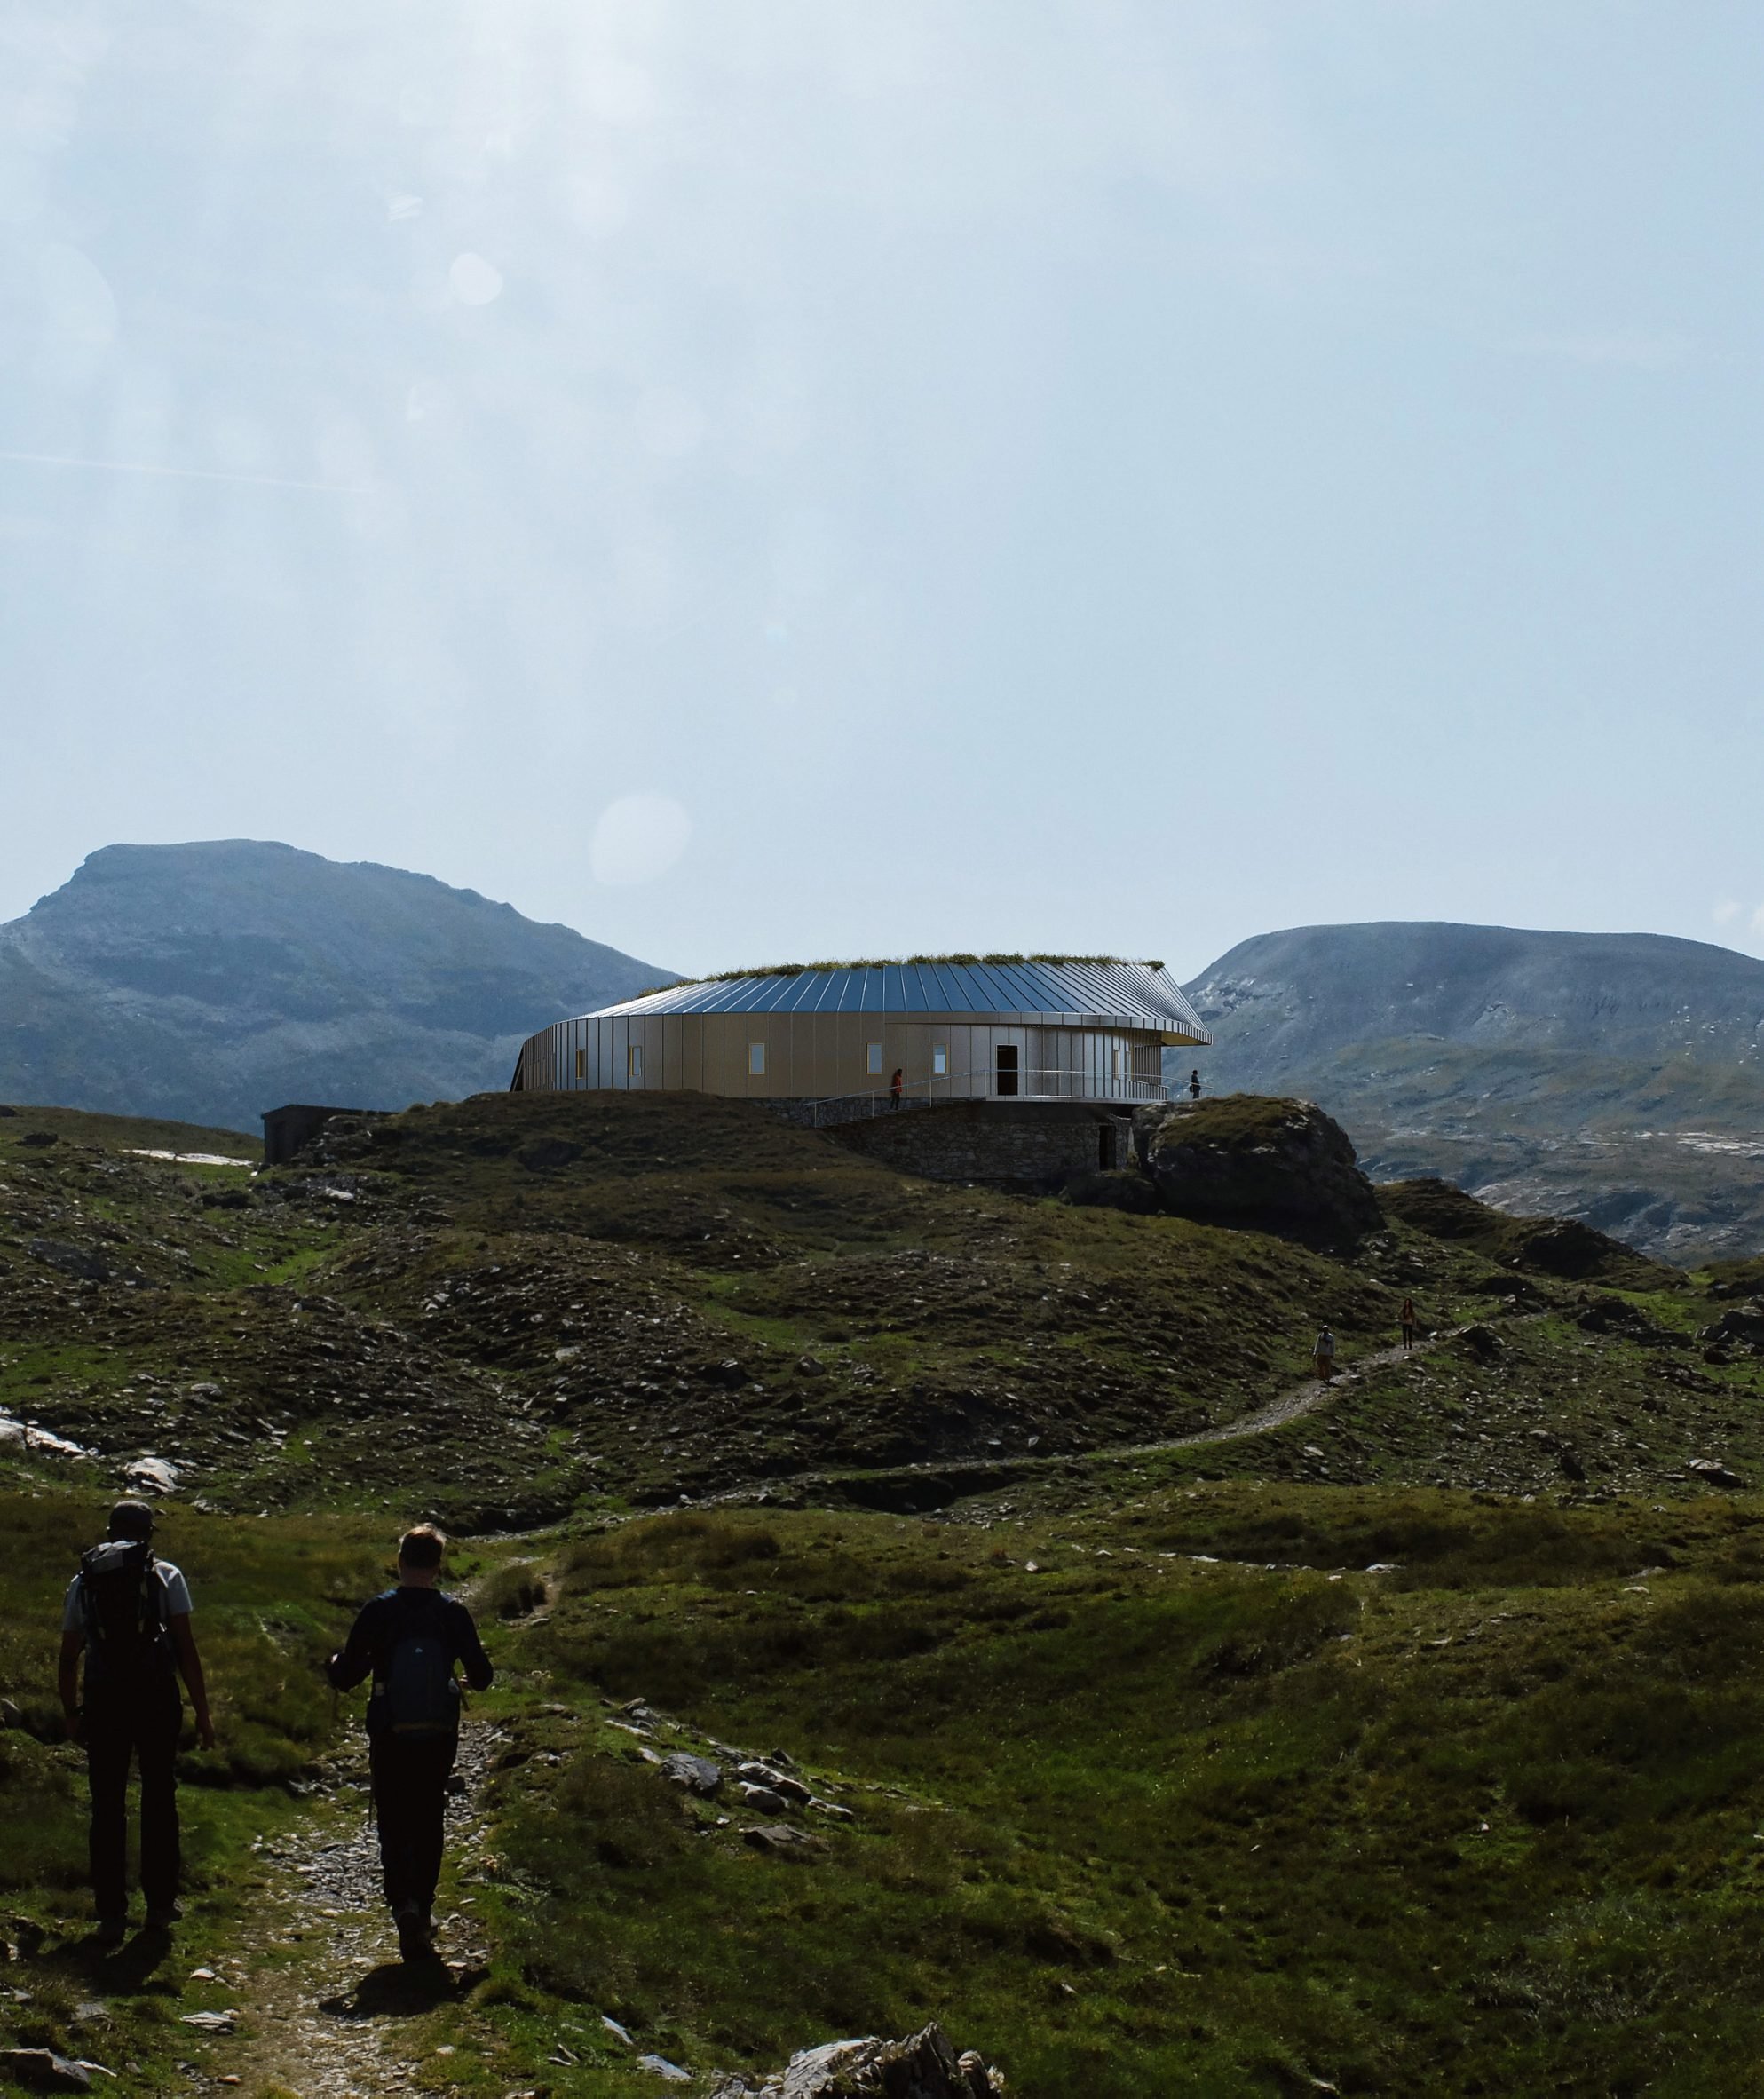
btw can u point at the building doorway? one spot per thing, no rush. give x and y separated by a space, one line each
1105 1147
1006 1068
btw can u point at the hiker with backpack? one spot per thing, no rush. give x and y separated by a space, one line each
409 1639
128 1612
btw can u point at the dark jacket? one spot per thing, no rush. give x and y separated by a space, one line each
384 1621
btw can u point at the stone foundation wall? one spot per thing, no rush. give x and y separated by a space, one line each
1004 1144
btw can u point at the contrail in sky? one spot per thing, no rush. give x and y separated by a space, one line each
184 473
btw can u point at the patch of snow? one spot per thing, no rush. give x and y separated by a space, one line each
190 1158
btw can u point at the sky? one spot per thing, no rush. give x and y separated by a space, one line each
766 479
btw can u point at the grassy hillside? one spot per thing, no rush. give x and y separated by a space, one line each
1168 1797
1150 1784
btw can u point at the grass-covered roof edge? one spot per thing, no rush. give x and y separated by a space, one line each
885 961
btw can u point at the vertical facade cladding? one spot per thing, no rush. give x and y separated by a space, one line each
954 1031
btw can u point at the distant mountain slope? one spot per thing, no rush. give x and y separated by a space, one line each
1615 1077
210 982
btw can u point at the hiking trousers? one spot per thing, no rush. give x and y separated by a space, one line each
410 1800
143 1730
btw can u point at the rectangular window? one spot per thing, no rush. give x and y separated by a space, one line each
876 1060
582 1064
634 1062
939 1062
756 1060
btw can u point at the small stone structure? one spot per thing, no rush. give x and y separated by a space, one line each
287 1128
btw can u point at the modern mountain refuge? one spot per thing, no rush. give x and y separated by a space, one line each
1029 1066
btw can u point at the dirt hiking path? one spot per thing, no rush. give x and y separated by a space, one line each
1307 1397
325 2004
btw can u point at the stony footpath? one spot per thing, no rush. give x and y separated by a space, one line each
325 2009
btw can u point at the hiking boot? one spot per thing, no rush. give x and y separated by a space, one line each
163 1916
415 1934
111 1931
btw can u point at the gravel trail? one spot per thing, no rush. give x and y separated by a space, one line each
326 2007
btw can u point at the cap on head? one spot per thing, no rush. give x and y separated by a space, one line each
132 1519
421 1546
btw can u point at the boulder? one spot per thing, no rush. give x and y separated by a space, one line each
1711 1472
780 1838
78 1261
702 1775
43 2071
1743 1326
1480 1341
1250 1160
924 2066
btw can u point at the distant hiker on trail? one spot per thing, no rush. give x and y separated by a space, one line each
409 1638
1406 1319
894 1086
129 1613
1323 1356
1194 1085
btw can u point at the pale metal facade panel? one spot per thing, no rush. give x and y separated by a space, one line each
1079 1031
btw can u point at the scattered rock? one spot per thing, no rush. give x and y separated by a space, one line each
210 2021
659 2066
763 1799
42 2069
158 1475
1711 1472
768 1774
1744 1324
779 1837
702 1775
1482 1342
1570 1465
40 1139
77 1261
924 2066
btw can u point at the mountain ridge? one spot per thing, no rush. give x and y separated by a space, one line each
210 980
1617 1078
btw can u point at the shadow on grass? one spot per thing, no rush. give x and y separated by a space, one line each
397 1990
128 1970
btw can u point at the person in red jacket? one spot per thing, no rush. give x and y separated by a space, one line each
895 1085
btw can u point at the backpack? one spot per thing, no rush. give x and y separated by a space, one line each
123 1608
419 1697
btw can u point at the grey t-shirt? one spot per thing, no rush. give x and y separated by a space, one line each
174 1603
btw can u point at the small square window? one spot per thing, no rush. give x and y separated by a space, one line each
939 1062
582 1064
756 1060
634 1062
876 1060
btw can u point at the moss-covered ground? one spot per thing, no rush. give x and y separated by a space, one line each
1152 1784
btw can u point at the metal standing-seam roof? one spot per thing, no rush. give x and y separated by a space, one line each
1049 993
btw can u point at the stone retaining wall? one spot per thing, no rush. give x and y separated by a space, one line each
1003 1143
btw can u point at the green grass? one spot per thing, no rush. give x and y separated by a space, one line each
272 1598
1152 1825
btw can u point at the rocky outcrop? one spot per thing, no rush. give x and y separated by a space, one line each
1615 1078
924 2066
1248 1159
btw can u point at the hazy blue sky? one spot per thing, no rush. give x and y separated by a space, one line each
754 478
